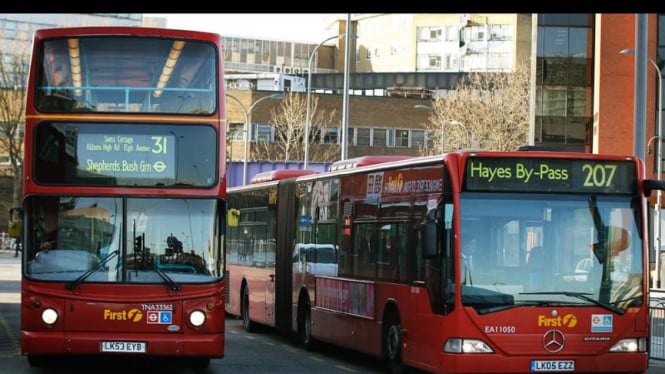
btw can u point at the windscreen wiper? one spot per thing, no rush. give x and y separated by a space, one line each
172 284
580 295
75 283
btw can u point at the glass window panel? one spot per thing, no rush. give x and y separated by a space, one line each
553 18
580 19
350 135
578 41
401 138
554 129
363 136
577 102
555 71
579 72
417 139
332 134
577 130
263 133
554 101
379 138
555 42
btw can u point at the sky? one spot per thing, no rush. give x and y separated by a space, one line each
297 27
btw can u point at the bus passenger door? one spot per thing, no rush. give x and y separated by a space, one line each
270 283
432 256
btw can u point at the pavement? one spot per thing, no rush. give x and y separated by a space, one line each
10 277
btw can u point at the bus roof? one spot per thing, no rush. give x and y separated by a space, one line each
363 161
275 175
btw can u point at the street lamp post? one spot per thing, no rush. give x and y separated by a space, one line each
659 167
466 132
309 97
246 113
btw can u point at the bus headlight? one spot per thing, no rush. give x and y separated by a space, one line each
459 345
630 345
197 318
49 316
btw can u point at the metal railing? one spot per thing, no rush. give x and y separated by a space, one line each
657 329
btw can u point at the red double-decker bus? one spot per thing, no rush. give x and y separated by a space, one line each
124 195
466 262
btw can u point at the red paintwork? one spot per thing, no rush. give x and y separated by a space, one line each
82 326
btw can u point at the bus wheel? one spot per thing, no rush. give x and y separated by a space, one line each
199 362
392 344
37 360
246 322
305 324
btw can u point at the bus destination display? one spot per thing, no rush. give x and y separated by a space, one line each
549 175
128 156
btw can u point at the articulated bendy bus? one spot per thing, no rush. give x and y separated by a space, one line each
466 262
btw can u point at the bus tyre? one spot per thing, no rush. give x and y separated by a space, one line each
392 344
37 360
246 322
199 362
305 324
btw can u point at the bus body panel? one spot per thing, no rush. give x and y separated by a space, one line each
86 321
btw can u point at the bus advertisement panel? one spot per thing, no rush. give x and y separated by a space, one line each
466 262
124 195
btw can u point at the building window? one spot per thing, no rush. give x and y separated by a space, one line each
331 135
236 131
435 33
350 136
478 33
430 33
435 61
402 138
417 139
263 133
552 101
380 138
363 136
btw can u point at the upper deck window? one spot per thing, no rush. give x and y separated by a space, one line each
126 74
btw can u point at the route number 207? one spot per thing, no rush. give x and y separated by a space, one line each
599 175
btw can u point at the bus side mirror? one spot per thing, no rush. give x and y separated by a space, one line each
652 184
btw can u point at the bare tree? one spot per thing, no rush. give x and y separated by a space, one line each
289 121
485 110
13 77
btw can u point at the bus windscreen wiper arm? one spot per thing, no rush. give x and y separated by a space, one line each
173 285
72 285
